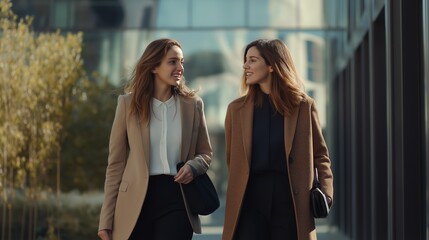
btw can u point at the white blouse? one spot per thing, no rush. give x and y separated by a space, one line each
165 136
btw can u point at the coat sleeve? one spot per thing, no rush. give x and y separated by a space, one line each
321 155
203 150
116 164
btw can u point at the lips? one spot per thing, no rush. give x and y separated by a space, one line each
178 76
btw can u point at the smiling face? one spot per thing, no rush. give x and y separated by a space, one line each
256 70
170 70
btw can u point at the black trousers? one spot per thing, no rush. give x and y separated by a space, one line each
267 212
163 215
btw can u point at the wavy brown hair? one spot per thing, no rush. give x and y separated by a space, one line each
142 84
286 86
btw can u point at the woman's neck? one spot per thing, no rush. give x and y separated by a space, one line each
162 94
265 88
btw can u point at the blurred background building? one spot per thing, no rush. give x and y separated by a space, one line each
364 61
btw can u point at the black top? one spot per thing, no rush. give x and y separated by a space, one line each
268 146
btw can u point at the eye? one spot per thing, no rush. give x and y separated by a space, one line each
251 60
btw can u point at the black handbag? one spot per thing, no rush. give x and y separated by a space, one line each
318 200
200 194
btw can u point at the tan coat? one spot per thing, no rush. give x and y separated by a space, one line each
305 147
127 172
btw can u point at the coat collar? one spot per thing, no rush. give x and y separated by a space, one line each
246 115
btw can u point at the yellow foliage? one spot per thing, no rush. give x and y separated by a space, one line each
38 72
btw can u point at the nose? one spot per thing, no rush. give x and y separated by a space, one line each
180 66
245 65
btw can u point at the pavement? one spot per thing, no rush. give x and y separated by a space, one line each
212 227
323 233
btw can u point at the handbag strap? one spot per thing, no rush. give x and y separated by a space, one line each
316 183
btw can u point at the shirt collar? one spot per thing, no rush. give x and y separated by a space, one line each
170 102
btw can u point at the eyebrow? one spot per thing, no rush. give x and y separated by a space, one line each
252 57
175 58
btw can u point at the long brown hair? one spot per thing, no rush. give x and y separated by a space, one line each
142 80
286 92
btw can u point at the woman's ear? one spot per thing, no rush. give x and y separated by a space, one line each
270 69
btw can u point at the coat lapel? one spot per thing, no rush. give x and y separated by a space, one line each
246 114
290 127
187 110
145 140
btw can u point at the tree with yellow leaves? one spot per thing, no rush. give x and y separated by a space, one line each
38 73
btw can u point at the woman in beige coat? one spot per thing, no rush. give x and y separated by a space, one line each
157 125
273 142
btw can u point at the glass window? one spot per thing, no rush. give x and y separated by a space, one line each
173 13
310 60
220 13
286 13
335 13
310 14
362 6
107 13
39 9
139 14
378 4
274 13
61 14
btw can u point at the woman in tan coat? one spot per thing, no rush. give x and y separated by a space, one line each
157 125
273 142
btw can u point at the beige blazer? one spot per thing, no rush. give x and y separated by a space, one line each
127 172
305 147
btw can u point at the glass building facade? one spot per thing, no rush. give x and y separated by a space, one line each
365 62
379 88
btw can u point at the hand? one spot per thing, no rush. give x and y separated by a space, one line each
184 175
329 201
105 234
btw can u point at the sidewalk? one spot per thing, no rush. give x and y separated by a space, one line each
215 233
213 224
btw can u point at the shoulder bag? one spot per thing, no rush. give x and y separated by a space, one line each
318 201
200 194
